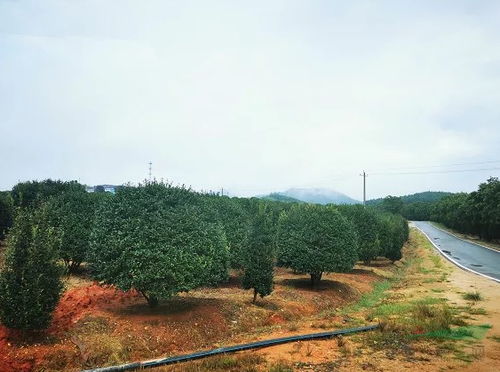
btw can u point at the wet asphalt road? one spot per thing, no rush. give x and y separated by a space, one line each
470 255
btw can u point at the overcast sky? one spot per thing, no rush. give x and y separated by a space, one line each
252 96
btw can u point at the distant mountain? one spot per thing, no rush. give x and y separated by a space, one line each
312 195
426 197
276 196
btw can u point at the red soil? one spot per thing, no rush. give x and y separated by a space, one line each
200 319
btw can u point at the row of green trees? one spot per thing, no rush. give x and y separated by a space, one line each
161 240
475 213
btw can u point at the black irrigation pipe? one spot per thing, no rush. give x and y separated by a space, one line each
230 349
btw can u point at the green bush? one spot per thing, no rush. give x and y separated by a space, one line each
30 284
258 261
393 233
33 193
315 239
235 221
6 213
72 214
156 239
366 223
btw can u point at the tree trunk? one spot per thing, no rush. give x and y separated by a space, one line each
152 301
315 279
254 295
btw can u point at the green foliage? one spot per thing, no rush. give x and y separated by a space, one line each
419 197
477 213
393 233
33 193
316 239
417 211
366 222
392 204
276 196
156 239
6 212
258 262
72 214
473 296
235 220
30 284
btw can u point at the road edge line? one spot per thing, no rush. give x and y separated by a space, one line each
453 261
462 239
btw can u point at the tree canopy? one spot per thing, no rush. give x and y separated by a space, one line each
258 255
157 240
366 222
315 239
30 284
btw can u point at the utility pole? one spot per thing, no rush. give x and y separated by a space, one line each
364 187
222 191
150 165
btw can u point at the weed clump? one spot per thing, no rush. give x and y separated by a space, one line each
472 296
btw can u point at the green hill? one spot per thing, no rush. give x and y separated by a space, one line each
425 197
276 196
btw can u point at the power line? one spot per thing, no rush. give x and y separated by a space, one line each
434 172
441 165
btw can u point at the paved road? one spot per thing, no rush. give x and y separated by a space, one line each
474 257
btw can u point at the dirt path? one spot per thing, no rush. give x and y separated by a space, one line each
464 281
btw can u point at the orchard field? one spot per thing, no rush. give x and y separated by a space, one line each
92 279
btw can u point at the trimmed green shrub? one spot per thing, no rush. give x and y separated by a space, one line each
30 284
72 214
393 233
258 256
315 239
6 213
156 239
33 193
366 222
235 221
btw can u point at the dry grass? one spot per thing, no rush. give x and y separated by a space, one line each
232 363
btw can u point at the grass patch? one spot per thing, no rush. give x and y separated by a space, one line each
370 299
281 367
391 309
477 311
450 334
429 301
460 333
232 363
495 338
436 260
472 296
437 290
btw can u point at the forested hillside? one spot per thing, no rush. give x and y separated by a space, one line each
419 197
312 195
